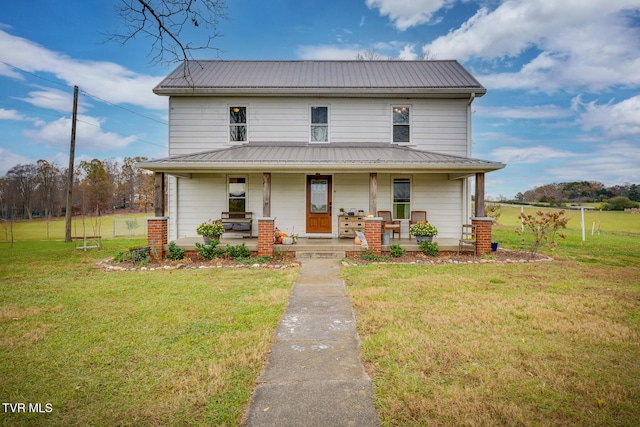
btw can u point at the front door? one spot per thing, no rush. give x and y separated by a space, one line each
318 204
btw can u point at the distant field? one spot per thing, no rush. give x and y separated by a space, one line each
40 229
624 222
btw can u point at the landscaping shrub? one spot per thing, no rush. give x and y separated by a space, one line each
238 251
544 228
396 250
174 252
429 248
209 252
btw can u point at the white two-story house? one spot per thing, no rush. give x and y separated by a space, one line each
299 140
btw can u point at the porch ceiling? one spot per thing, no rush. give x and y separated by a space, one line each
305 157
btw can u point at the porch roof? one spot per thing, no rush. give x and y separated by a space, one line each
301 157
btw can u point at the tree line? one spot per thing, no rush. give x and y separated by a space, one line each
39 190
576 192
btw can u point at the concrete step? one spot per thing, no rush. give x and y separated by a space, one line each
315 254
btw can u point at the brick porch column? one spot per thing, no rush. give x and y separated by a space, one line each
483 234
157 235
373 233
266 227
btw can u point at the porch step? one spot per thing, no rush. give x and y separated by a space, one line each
320 254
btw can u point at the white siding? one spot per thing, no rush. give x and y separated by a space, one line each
201 123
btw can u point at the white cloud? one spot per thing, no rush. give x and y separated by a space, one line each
327 52
89 135
408 53
524 155
535 112
106 80
616 120
53 99
407 13
589 43
9 159
13 115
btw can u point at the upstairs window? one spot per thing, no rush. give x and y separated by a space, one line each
401 124
238 124
319 124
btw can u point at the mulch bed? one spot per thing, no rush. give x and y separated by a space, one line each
500 256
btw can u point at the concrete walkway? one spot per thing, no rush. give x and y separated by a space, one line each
313 375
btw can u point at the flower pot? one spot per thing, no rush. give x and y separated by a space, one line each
420 239
287 241
494 246
386 238
207 240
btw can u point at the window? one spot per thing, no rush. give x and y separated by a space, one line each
238 124
401 198
401 124
237 194
319 124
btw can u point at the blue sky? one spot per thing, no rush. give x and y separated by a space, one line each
563 77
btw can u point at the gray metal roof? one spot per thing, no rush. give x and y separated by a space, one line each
301 156
210 77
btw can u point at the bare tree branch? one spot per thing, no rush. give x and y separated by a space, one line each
166 21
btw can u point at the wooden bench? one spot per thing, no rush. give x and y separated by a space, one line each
87 242
238 222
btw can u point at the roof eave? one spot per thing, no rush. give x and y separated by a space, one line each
332 91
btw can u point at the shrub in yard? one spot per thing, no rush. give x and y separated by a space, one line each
543 227
396 250
209 251
429 248
238 251
619 203
370 256
174 252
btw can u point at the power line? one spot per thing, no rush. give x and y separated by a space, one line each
86 93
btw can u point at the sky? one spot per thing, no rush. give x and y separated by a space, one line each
562 77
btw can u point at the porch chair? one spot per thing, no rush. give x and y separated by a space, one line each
389 223
468 239
417 216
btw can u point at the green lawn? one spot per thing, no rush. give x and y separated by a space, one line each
534 344
145 348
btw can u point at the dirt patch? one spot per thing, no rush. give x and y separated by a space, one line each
500 256
197 263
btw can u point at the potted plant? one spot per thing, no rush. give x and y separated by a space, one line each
210 230
423 231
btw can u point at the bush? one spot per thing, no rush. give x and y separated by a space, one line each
209 251
429 248
619 203
239 251
396 250
174 252
370 256
544 228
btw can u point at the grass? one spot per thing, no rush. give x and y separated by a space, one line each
535 344
179 347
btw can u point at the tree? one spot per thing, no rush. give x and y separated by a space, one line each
165 21
96 185
22 179
619 203
47 179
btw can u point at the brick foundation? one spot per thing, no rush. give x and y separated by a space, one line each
266 227
157 236
483 234
373 233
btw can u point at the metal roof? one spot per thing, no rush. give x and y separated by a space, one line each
211 77
301 156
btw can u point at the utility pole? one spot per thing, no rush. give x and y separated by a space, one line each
72 150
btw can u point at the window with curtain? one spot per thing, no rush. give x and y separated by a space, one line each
237 194
237 124
401 198
402 124
319 124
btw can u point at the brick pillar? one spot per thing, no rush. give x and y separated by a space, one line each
483 234
157 235
373 233
266 227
